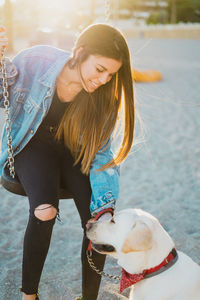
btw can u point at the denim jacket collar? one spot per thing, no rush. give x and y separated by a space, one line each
48 79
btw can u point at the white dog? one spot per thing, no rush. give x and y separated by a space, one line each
146 253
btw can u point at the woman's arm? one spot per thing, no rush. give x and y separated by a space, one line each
105 183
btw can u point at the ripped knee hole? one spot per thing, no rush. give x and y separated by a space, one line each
45 212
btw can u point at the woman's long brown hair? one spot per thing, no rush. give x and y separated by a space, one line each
90 119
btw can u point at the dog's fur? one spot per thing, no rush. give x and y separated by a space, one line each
138 242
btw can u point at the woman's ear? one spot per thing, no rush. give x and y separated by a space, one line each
139 238
77 52
75 58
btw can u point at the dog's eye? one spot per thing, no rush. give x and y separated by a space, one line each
112 220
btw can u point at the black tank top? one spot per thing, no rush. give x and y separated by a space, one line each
50 123
56 111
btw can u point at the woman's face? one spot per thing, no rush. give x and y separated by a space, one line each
98 70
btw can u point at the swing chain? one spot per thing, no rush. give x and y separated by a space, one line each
7 112
107 10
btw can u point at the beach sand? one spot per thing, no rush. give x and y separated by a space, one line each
161 175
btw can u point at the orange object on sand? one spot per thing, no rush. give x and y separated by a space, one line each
146 76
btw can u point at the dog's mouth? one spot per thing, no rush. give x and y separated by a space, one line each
103 248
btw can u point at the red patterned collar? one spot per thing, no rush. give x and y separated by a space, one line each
128 279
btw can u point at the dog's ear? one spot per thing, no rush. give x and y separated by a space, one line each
139 238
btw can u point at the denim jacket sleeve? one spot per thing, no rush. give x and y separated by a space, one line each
105 183
11 74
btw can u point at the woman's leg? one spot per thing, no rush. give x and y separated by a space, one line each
37 167
36 244
90 279
79 185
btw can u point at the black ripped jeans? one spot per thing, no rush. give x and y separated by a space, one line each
41 166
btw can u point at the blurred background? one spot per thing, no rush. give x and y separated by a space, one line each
51 22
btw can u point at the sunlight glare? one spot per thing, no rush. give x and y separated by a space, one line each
51 12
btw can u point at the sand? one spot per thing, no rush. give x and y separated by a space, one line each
161 175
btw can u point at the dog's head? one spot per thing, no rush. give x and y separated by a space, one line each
132 236
127 231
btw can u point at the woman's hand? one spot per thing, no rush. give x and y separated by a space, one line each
105 217
3 38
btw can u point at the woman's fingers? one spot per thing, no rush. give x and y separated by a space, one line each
3 42
105 217
2 28
3 37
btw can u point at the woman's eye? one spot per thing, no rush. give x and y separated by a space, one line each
99 70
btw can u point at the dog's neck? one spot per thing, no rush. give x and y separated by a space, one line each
136 262
128 279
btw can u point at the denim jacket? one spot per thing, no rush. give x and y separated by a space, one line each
32 76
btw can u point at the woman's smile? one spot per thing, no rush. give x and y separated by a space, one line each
93 84
98 70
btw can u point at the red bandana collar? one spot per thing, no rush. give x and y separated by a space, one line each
128 279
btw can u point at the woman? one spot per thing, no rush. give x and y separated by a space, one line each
63 112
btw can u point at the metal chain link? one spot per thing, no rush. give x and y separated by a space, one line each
7 112
107 10
102 273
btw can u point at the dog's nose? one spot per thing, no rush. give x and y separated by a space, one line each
89 225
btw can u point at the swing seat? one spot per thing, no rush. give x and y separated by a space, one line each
13 185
